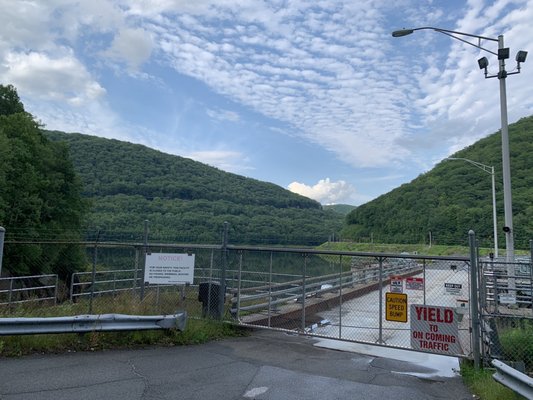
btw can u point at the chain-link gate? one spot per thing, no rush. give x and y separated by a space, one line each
367 298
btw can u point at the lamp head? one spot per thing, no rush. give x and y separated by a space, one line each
483 63
402 32
521 56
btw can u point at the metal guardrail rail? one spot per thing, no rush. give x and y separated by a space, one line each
515 380
26 289
91 323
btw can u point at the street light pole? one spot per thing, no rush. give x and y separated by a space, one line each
506 162
502 54
489 170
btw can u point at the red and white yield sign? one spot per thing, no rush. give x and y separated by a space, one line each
434 329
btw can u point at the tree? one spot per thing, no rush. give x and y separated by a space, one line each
9 101
40 192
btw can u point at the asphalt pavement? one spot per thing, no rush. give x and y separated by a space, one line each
264 365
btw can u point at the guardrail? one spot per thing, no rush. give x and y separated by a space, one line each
91 323
515 380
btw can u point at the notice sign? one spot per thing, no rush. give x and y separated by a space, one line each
396 307
434 329
396 284
169 268
453 288
414 283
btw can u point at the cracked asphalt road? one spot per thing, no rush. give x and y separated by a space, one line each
265 365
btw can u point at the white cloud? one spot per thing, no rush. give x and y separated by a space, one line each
133 46
326 71
223 115
325 191
61 78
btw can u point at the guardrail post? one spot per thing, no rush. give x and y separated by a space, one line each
2 235
474 315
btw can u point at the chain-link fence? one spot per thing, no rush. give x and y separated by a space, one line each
507 312
349 296
398 300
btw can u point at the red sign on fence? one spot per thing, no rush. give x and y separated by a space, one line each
412 283
434 329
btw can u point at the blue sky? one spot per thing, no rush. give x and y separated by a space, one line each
315 96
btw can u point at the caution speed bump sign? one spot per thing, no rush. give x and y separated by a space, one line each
396 307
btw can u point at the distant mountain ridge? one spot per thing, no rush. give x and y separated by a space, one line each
342 209
185 199
454 197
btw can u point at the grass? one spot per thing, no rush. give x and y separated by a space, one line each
483 385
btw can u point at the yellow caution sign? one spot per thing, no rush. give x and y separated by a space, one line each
396 307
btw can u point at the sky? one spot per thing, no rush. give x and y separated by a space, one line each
315 96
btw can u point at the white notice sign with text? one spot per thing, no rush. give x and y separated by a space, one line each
169 268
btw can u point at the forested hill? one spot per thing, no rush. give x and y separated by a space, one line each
455 197
187 200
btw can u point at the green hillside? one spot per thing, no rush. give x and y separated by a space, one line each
455 197
185 200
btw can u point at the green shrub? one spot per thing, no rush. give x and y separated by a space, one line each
517 343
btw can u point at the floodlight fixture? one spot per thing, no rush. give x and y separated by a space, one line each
483 63
521 56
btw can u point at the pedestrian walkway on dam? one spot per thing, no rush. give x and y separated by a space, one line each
264 365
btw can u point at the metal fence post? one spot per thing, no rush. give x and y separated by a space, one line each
531 273
239 284
340 296
303 291
10 293
380 338
222 296
145 250
93 275
270 290
135 272
475 323
2 235
425 281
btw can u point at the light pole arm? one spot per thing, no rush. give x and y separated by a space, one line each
452 34
486 168
489 170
